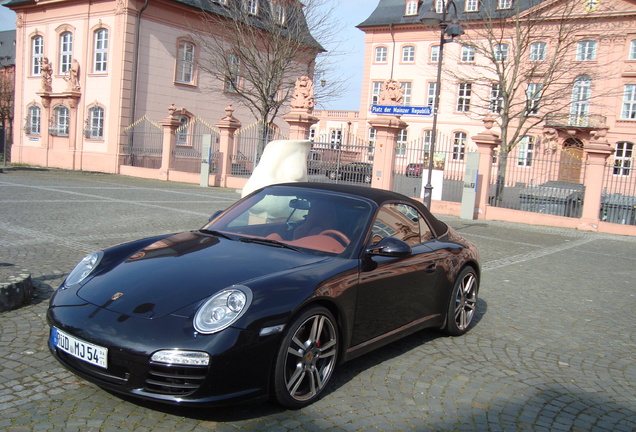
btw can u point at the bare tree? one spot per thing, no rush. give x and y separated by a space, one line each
257 49
528 75
7 87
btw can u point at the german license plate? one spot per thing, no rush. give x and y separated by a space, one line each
90 353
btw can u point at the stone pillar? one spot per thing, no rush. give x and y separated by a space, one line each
228 126
487 141
169 125
300 121
387 129
597 151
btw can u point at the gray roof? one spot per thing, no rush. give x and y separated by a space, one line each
7 48
392 12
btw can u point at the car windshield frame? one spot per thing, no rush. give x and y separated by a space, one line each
277 213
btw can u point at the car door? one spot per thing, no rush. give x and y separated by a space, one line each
397 292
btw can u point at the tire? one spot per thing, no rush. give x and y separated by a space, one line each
306 358
463 303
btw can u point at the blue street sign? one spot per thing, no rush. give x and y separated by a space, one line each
401 110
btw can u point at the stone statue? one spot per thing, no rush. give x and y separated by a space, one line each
72 79
391 93
45 71
303 96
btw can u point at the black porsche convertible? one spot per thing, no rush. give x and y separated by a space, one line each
266 299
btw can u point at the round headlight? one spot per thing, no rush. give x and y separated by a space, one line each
222 309
83 269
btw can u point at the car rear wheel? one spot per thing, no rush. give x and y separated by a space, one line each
463 303
306 358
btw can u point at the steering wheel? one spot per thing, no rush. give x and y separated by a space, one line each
337 235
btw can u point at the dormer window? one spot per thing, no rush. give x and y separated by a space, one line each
504 4
411 7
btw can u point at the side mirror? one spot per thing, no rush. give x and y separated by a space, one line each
390 247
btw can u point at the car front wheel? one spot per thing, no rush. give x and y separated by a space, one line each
463 303
306 358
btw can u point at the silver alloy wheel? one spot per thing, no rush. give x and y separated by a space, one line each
311 357
466 301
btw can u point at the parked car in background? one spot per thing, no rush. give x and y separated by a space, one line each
354 171
414 170
266 299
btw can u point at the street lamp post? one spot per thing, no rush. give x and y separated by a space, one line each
452 29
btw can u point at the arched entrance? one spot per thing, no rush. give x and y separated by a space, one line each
571 161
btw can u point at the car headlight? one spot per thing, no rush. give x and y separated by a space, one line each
84 268
222 309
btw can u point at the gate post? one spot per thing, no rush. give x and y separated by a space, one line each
486 141
169 125
227 126
386 136
597 151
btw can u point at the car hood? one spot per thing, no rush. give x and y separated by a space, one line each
182 269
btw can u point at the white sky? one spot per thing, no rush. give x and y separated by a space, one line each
351 13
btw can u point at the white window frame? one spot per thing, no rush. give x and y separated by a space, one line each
251 6
468 54
96 116
37 54
34 120
335 138
504 4
434 54
233 80
623 158
629 102
430 93
525 154
279 13
464 93
501 52
411 7
586 50
381 54
406 92
62 116
534 92
372 135
439 6
538 51
471 6
580 106
66 51
408 54
182 132
100 50
376 89
459 146
632 50
496 100
402 140
185 62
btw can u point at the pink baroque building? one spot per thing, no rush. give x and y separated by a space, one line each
574 81
90 71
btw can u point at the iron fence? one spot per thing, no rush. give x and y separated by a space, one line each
344 159
250 142
618 201
144 146
187 154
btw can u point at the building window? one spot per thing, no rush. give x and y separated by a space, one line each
471 6
468 54
430 94
537 51
406 93
632 50
375 92
312 134
251 6
232 81
580 107
504 4
95 129
411 7
380 54
32 126
496 99
37 52
586 51
66 51
185 63
402 139
278 13
408 54
501 52
181 134
426 143
440 5
335 138
434 53
629 103
100 60
533 98
459 146
61 117
463 97
372 134
623 158
526 151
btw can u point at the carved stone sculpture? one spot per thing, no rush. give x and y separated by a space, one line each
303 96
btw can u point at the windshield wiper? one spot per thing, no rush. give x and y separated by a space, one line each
268 242
215 233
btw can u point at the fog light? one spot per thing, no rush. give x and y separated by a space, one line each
190 358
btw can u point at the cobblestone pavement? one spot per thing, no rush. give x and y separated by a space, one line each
553 349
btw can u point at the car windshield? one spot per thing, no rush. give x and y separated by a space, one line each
310 221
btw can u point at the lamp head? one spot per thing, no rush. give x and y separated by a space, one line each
431 18
454 29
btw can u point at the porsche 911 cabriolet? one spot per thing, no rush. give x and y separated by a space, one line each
266 299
